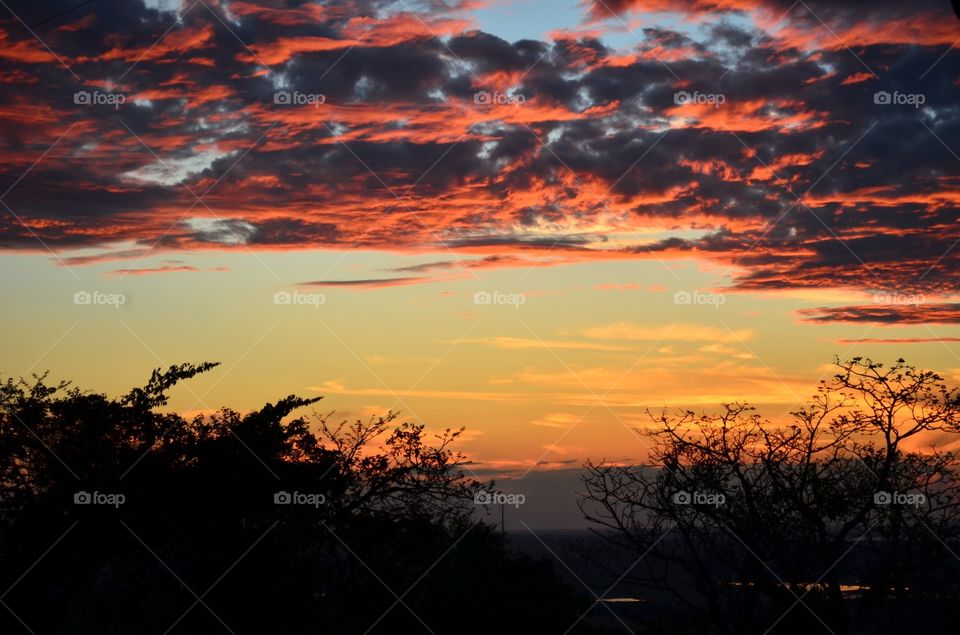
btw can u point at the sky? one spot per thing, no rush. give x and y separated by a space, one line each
533 219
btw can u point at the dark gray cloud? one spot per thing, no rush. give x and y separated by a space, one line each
799 176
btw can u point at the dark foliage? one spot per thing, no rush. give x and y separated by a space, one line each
379 535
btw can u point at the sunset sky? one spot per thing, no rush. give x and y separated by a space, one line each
532 218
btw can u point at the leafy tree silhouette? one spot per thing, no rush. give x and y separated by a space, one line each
836 496
118 517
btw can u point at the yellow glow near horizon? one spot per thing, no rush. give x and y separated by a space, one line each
564 375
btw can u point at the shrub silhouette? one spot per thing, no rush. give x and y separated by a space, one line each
389 541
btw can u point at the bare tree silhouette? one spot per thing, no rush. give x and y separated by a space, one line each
763 525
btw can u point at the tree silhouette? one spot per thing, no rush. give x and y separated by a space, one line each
762 525
118 517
